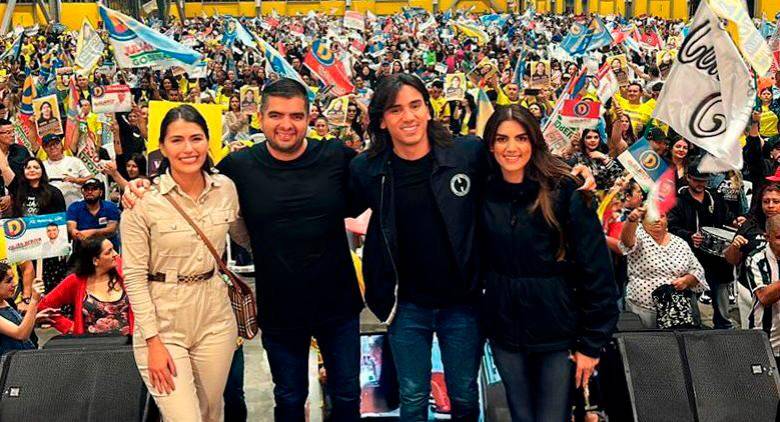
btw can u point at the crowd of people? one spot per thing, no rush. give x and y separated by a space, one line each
478 228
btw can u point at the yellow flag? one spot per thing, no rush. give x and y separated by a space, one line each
745 35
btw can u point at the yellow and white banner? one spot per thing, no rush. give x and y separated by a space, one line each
89 48
748 39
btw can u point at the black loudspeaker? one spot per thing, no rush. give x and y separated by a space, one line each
697 376
73 341
74 385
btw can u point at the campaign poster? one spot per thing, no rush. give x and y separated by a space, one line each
337 111
540 75
111 99
47 116
455 87
157 110
250 97
482 73
619 65
664 59
34 237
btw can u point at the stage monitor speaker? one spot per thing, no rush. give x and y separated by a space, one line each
697 376
74 385
733 374
74 341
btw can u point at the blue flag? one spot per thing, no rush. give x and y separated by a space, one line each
582 39
519 70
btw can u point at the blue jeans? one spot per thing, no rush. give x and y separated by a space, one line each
538 385
720 306
411 336
235 405
288 357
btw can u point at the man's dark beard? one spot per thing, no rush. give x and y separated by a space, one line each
92 201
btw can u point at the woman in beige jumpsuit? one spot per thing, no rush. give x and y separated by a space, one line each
185 331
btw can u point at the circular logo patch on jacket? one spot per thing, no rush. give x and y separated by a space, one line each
460 184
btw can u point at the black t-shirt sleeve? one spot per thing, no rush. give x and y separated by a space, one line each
57 203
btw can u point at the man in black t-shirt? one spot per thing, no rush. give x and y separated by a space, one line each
294 198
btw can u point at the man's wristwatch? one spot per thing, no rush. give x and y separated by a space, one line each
26 300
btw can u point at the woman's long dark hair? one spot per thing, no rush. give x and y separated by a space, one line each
543 167
89 249
189 114
140 161
602 147
384 98
24 189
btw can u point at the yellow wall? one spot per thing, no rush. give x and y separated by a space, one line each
768 7
73 13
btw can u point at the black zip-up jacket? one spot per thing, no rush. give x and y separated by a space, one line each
689 216
458 172
532 301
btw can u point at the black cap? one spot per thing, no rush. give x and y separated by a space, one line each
51 138
657 135
93 182
693 172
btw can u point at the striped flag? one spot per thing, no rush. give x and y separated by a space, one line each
72 122
28 94
472 31
519 70
484 109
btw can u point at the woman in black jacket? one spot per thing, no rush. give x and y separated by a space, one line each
550 297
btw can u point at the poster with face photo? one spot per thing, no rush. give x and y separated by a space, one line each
619 65
664 59
250 96
47 116
455 87
540 74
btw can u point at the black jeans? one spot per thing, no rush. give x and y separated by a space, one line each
235 405
288 357
538 385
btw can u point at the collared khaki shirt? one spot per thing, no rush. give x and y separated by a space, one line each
157 239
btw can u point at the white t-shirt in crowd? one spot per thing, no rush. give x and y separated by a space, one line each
67 167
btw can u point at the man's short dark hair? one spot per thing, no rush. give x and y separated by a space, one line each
285 88
52 225
437 84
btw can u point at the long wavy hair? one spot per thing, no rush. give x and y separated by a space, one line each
90 249
24 189
384 98
543 167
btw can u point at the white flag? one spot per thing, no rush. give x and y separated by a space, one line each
709 95
89 48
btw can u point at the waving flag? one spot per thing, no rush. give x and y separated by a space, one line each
89 48
279 64
519 70
328 69
484 109
354 20
746 37
582 39
709 94
72 122
15 48
606 83
28 94
25 132
137 45
229 32
472 31
580 113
